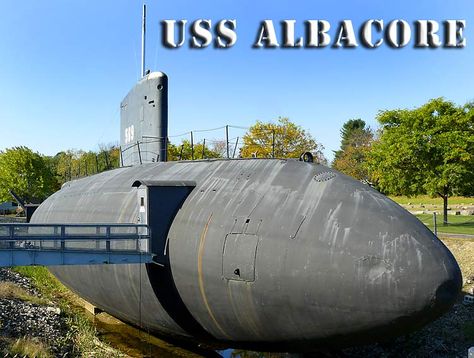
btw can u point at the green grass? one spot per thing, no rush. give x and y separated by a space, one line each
48 285
28 347
457 224
10 291
426 199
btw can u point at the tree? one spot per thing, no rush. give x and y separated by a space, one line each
356 139
283 139
353 159
26 173
73 164
184 151
63 166
108 157
352 130
429 149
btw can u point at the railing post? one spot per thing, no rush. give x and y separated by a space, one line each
137 241
227 140
192 146
139 152
63 234
235 147
273 143
11 232
56 234
107 235
97 242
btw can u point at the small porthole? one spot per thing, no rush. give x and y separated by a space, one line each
160 87
237 272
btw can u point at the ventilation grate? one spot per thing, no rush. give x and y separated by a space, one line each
324 176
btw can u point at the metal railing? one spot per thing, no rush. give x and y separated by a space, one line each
68 244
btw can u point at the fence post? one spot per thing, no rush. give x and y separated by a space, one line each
139 152
227 140
192 146
273 143
435 224
235 148
203 148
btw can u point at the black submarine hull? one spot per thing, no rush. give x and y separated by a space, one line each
263 254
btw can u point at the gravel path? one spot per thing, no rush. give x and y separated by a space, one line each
449 336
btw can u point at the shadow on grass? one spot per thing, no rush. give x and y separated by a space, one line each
469 224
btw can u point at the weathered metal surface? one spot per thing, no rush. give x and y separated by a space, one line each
335 261
238 259
144 119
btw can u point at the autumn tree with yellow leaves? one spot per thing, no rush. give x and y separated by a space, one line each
283 139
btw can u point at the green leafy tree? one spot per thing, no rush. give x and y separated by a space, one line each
429 149
351 132
73 164
352 160
283 139
108 157
184 151
114 156
356 139
63 166
27 173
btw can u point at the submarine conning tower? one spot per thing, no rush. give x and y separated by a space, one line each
144 121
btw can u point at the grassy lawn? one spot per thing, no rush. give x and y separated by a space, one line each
457 224
427 200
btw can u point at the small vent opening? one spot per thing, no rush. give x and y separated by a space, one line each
324 176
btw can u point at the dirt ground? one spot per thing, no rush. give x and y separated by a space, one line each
463 251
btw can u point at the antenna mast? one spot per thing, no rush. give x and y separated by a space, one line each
143 39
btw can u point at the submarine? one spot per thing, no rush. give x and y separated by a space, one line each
265 254
262 254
